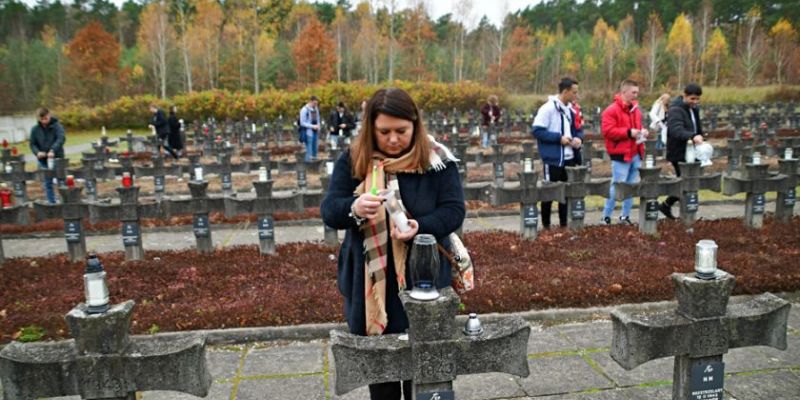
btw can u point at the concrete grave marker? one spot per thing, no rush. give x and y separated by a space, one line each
434 352
699 331
755 184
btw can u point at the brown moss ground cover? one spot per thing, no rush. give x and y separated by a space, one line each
235 287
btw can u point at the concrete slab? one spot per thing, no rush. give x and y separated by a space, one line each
560 375
654 371
306 388
295 358
593 335
487 386
780 385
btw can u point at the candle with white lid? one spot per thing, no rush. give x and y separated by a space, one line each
705 259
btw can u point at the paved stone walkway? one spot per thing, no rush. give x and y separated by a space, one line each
245 233
567 361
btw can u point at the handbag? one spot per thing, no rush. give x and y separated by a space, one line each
463 279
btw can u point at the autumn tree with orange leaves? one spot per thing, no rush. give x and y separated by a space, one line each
314 54
517 62
94 61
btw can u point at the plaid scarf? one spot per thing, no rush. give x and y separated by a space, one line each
382 175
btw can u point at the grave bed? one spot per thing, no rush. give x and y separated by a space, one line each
235 287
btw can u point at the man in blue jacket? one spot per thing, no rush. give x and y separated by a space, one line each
309 124
559 141
47 142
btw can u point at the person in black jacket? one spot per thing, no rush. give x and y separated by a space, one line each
159 122
683 125
340 124
392 152
46 142
174 138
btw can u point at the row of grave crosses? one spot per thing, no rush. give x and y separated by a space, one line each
103 361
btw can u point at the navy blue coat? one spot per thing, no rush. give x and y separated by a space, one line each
434 199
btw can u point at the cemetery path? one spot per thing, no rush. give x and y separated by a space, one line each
245 234
567 361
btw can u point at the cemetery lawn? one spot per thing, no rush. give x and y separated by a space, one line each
236 287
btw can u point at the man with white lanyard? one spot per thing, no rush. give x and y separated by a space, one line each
559 142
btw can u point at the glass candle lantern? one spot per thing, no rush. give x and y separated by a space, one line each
649 162
329 167
127 181
262 174
95 288
788 153
527 165
424 264
756 158
198 174
70 181
705 259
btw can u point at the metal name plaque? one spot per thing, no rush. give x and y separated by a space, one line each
158 183
91 186
440 395
19 189
301 177
578 208
200 226
692 202
706 381
226 181
530 217
72 231
758 203
266 228
130 233
790 199
499 172
651 210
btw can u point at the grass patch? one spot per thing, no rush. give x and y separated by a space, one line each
31 333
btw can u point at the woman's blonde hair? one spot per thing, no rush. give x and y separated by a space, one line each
493 100
396 103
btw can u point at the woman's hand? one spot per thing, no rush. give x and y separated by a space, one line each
405 236
366 205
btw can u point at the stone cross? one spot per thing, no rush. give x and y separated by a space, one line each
578 187
89 177
18 181
200 223
497 165
434 352
129 138
755 184
331 235
692 181
461 152
158 176
225 174
265 161
533 192
699 332
126 163
787 197
73 229
194 162
131 229
100 156
650 186
155 143
103 361
263 206
301 169
740 152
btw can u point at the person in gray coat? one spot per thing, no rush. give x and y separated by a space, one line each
47 142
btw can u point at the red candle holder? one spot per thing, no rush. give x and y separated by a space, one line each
14 151
70 181
127 180
5 143
6 197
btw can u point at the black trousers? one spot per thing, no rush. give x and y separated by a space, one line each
554 173
672 199
390 391
165 144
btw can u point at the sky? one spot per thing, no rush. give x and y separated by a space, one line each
436 8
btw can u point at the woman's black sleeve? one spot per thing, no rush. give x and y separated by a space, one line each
450 210
335 208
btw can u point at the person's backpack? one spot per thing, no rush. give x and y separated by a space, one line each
300 130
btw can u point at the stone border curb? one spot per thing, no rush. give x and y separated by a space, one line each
302 222
551 316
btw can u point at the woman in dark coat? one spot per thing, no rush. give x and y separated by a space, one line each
393 152
174 139
159 123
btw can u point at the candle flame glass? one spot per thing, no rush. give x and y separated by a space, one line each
424 264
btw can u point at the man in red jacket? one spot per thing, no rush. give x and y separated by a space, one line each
622 129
